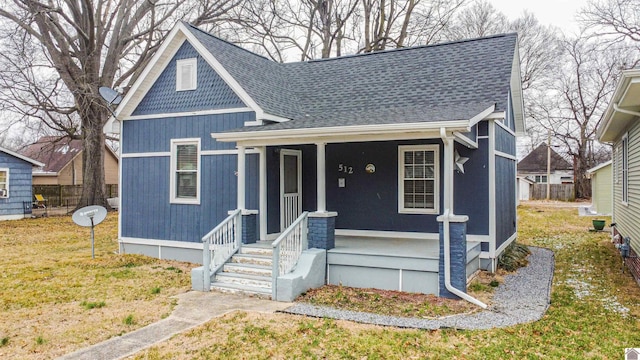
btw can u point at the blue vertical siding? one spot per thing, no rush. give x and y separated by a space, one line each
19 185
505 199
370 201
154 135
211 93
147 212
472 188
505 141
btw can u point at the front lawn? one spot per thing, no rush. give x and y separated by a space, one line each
593 314
55 298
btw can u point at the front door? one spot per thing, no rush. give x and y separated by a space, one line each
290 186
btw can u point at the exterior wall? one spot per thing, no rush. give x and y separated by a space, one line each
19 187
524 190
110 168
45 180
72 173
601 188
626 215
211 93
146 210
472 188
556 176
505 186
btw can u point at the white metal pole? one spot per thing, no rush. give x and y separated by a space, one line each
241 177
321 178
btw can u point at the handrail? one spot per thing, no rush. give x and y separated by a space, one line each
225 239
288 247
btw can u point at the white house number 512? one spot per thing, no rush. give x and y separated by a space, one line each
345 169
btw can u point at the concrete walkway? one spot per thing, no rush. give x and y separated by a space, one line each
193 309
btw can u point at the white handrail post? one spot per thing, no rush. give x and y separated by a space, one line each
206 264
304 232
238 221
275 272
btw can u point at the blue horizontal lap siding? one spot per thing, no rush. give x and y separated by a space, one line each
211 92
19 185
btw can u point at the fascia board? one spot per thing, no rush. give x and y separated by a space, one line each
21 157
458 125
628 77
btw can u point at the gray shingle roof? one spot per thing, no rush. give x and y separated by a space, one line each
536 161
449 81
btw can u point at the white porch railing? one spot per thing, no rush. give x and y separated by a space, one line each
287 249
291 209
221 243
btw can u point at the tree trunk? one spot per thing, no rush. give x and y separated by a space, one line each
93 140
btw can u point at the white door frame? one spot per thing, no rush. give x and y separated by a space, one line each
287 217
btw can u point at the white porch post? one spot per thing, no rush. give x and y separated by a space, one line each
262 210
321 178
241 177
448 173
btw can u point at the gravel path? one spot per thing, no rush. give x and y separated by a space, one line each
523 297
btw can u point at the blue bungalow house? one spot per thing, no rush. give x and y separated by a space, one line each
15 185
392 170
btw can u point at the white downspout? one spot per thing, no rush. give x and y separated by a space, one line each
448 204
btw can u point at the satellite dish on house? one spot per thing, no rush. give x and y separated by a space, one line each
90 216
109 95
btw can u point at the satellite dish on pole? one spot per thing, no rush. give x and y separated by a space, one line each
109 95
90 216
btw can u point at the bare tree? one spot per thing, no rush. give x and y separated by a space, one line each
617 20
574 104
479 19
64 50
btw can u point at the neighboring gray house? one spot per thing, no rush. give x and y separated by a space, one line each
393 170
15 185
621 128
534 167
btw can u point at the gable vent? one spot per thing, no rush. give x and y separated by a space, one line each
186 74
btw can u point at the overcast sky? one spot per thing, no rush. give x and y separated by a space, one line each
560 13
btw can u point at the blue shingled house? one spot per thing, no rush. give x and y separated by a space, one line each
392 170
15 185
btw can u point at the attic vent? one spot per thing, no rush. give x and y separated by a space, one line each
186 74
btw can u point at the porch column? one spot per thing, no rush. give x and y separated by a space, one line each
241 177
263 192
321 177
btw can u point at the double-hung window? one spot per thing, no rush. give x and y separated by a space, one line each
4 183
418 177
625 169
185 171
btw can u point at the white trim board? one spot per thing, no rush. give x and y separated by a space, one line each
505 155
189 113
202 153
12 217
165 243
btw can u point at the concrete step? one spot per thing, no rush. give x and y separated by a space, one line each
242 289
263 260
251 250
249 269
244 279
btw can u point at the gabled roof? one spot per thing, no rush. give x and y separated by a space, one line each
624 108
21 157
54 152
600 166
436 83
536 161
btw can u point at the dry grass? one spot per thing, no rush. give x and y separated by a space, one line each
594 314
56 299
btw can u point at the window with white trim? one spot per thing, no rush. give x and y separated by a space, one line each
541 179
625 168
185 171
4 183
418 179
186 74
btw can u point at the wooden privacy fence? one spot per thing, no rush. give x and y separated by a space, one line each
67 195
562 192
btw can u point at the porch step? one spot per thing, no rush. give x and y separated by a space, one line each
264 260
244 279
249 269
242 289
256 250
